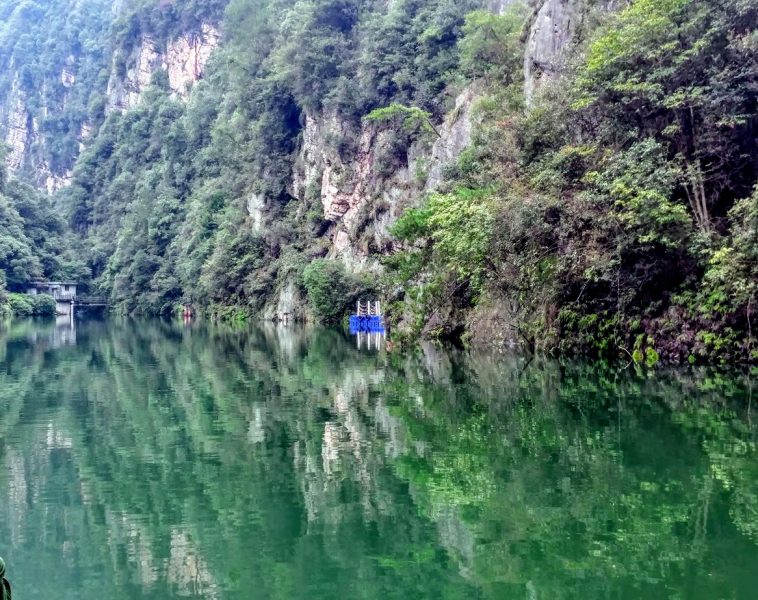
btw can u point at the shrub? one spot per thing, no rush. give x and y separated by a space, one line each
21 305
328 289
43 305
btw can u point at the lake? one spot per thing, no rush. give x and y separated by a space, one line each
146 459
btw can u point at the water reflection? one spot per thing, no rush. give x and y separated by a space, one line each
148 460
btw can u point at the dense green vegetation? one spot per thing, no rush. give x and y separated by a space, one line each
39 41
617 211
160 195
613 210
34 244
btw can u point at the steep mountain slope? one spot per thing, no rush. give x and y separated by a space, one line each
51 58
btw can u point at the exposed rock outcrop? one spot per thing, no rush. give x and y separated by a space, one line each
184 59
288 306
548 32
19 132
455 136
256 208
68 76
187 56
552 27
363 186
22 135
55 182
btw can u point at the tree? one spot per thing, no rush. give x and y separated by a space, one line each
682 70
411 119
491 45
328 289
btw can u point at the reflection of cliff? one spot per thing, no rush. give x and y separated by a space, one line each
210 462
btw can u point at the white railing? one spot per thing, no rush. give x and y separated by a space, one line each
369 308
64 295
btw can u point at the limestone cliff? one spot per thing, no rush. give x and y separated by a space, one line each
49 65
184 59
547 34
25 116
361 182
345 163
352 173
19 130
551 28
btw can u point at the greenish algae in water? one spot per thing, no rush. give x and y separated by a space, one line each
151 460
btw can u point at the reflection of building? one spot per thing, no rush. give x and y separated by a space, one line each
63 334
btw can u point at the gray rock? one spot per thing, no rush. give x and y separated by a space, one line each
551 29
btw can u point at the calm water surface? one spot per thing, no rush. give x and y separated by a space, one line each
151 460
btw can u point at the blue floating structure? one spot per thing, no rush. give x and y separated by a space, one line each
368 319
366 324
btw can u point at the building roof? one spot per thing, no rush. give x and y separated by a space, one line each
47 283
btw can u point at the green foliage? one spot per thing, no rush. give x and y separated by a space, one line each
412 119
33 241
679 70
21 305
461 225
44 305
491 45
329 290
613 202
611 210
412 224
639 183
160 195
410 52
41 305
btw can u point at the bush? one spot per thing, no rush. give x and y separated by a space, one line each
43 305
21 305
328 289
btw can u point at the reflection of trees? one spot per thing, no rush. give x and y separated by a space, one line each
214 462
199 456
586 478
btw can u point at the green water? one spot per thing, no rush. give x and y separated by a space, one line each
151 460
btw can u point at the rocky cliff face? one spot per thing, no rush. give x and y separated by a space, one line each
49 63
551 28
356 186
19 130
352 173
350 170
547 34
364 186
184 58
21 135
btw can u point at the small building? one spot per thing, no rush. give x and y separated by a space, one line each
60 290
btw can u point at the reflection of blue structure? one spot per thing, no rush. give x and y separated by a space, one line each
366 324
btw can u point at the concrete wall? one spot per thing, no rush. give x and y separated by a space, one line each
64 307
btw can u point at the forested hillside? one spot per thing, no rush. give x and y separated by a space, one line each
567 175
